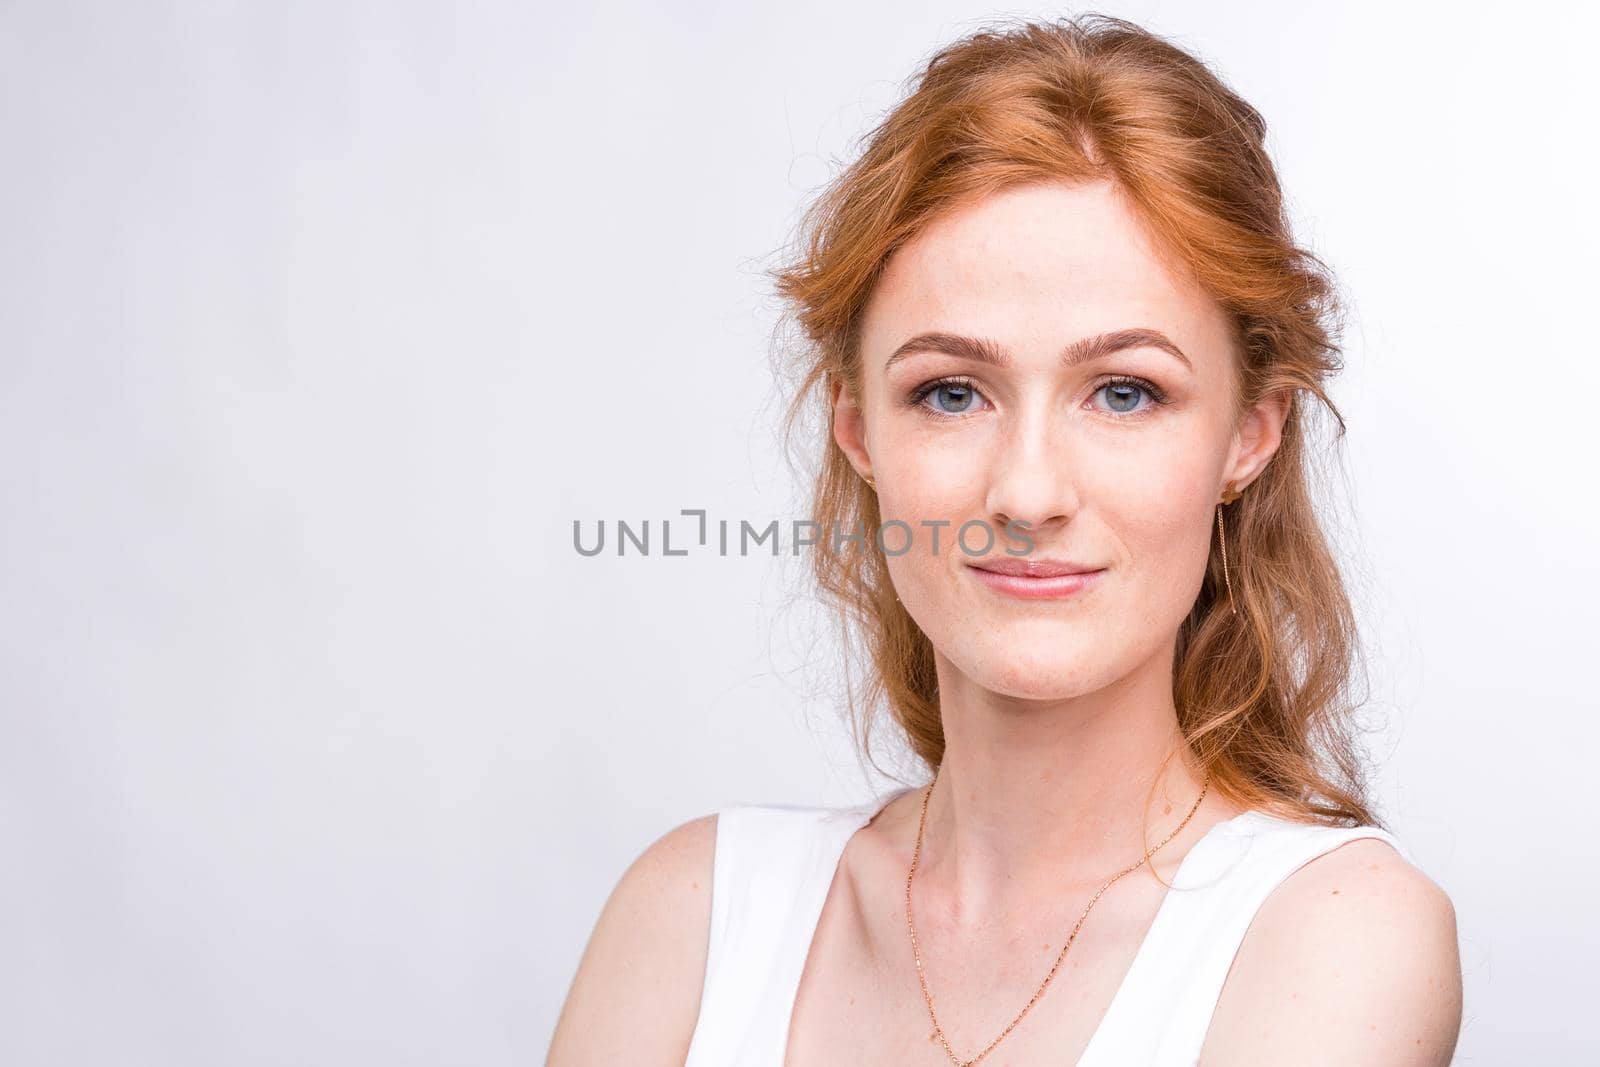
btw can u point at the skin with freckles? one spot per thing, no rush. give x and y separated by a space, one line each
1112 474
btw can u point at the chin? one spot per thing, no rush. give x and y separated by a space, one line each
1034 662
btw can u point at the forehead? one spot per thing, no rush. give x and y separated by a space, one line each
1035 267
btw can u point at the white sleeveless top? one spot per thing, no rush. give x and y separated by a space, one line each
774 865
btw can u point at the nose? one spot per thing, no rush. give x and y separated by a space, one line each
1032 479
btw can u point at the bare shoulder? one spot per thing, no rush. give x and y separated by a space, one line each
1352 959
636 995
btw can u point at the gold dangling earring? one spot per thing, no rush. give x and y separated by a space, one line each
1229 495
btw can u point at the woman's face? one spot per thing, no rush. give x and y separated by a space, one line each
987 399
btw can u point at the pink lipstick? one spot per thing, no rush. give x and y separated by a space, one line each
1035 579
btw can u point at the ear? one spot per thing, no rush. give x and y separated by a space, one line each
1256 439
849 428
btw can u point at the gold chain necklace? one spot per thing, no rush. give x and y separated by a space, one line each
916 953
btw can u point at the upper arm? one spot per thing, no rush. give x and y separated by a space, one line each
636 996
1352 959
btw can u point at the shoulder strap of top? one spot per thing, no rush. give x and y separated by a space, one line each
1163 1009
770 877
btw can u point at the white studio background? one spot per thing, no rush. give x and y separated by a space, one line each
321 322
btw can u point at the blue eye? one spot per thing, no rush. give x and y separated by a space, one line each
953 398
948 396
1122 394
959 396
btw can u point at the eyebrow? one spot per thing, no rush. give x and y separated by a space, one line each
1080 351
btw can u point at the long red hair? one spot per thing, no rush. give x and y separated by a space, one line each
1264 696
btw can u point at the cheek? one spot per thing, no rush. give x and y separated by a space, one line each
931 474
932 479
1162 459
1165 479
933 520
1156 496
926 460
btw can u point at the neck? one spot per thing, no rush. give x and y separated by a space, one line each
1037 794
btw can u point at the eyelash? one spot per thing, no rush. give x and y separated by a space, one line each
922 392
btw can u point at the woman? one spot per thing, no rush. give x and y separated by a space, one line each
1068 347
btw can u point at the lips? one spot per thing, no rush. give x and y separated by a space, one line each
1033 568
1035 579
